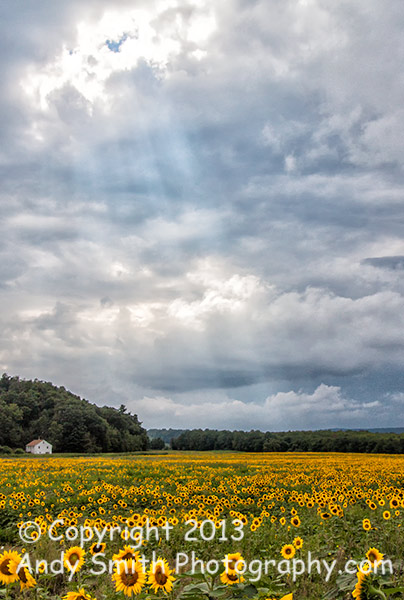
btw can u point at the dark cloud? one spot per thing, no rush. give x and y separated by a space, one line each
395 263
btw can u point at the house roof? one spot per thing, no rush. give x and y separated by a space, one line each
35 442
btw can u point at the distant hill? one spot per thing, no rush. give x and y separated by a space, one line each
397 430
165 434
387 430
38 409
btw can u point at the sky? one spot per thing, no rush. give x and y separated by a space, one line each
202 208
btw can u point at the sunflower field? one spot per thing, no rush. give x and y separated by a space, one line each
202 526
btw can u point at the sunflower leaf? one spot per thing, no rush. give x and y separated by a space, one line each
391 591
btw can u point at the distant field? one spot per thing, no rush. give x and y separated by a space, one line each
280 507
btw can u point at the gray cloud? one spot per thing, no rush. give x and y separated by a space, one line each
210 203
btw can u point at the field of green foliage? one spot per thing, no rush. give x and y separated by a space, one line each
202 526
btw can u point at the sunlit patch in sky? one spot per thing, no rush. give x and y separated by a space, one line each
116 43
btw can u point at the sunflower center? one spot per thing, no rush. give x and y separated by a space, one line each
74 558
161 578
22 575
129 579
97 548
127 556
232 576
4 567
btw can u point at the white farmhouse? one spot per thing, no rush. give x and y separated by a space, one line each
39 447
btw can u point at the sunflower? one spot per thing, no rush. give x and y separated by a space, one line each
361 591
97 548
394 503
366 524
234 562
288 551
374 556
129 577
234 565
365 566
386 515
7 562
298 542
34 535
74 559
295 521
24 576
231 577
42 567
160 577
80 595
127 553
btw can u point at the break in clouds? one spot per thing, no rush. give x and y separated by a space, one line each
202 208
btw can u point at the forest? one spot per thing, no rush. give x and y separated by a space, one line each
290 441
38 409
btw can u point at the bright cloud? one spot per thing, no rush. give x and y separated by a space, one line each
116 43
280 412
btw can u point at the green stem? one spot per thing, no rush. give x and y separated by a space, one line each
377 592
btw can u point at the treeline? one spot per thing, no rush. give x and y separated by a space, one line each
164 434
291 441
37 409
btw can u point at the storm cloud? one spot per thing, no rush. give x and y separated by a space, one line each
202 208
